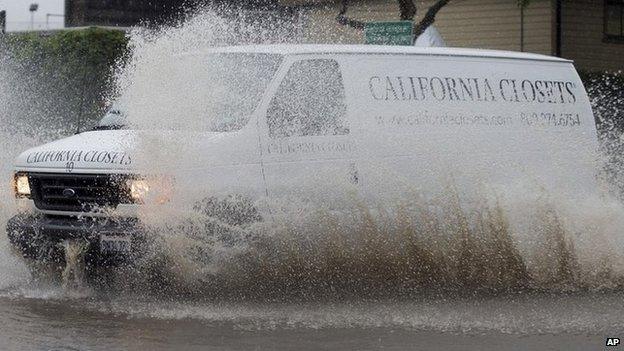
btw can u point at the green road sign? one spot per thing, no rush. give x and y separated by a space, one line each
389 33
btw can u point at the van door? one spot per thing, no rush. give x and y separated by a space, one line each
307 150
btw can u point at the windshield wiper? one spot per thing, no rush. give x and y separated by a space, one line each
109 127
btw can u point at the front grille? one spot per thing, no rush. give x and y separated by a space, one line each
77 192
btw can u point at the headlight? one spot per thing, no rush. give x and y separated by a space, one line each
154 190
21 185
139 190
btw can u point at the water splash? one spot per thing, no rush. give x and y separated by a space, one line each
517 238
503 240
73 274
13 271
607 99
411 249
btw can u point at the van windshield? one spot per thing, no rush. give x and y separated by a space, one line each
221 92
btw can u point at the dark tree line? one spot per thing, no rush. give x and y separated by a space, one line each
58 82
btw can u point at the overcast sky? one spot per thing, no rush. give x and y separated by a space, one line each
18 16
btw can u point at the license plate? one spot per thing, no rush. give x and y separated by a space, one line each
115 243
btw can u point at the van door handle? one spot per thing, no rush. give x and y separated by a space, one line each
354 175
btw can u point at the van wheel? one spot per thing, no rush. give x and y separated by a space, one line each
225 223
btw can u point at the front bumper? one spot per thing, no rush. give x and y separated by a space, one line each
39 237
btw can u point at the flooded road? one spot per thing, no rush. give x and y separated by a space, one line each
514 267
45 320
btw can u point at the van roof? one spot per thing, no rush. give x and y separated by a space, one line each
303 49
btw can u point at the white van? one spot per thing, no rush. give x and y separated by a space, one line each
380 119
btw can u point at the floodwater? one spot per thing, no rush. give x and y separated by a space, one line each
32 320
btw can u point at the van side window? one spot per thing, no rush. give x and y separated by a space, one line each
310 101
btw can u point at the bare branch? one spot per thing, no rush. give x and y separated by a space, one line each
429 18
408 10
346 21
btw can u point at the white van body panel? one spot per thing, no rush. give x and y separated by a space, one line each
401 137
89 152
486 123
209 165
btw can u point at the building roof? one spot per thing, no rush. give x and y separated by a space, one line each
304 49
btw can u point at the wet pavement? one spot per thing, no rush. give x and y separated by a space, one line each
40 319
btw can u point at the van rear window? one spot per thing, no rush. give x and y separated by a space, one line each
309 102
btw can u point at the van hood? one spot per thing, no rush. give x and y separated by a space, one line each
87 152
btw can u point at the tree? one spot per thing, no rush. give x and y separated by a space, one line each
408 11
61 80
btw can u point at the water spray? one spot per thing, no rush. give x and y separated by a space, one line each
74 272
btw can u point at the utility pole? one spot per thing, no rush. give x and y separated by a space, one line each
33 8
2 22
